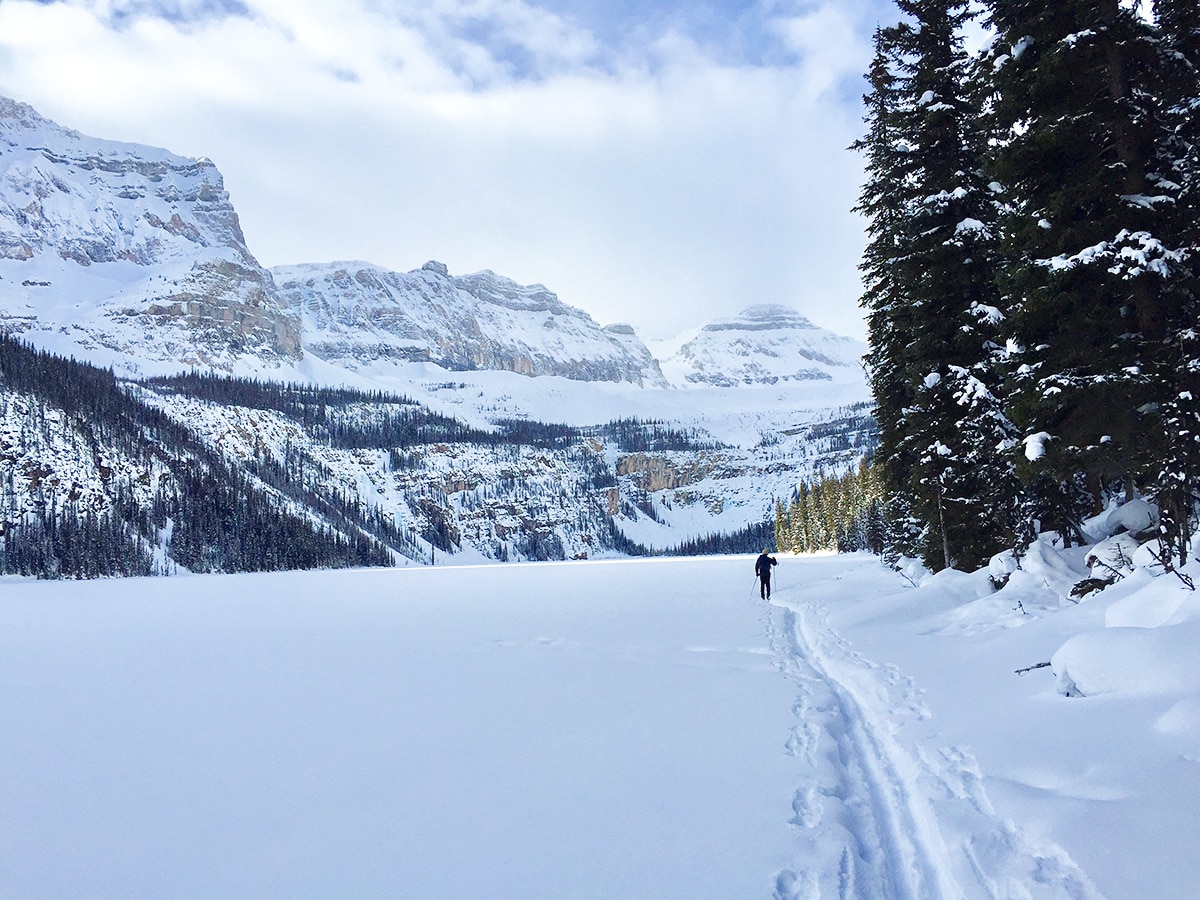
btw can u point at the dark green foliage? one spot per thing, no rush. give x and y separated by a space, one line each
336 416
73 546
298 401
229 525
1178 369
1064 320
750 539
1078 118
851 433
641 436
842 513
536 434
440 532
540 545
932 302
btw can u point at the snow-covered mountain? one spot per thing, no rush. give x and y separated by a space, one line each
133 257
355 314
128 255
764 345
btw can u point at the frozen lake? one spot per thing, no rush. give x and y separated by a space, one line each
625 729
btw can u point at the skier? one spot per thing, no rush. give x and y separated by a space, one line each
762 568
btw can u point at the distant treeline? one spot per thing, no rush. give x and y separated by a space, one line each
843 513
174 501
651 436
398 422
750 539
395 422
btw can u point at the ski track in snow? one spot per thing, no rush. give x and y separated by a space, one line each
886 813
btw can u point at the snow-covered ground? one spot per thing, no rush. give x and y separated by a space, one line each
601 729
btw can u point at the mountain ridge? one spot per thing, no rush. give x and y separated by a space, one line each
133 257
765 344
354 313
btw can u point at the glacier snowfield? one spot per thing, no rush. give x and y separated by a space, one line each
626 728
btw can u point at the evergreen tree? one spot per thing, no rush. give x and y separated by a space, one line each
843 513
1074 113
931 297
1177 373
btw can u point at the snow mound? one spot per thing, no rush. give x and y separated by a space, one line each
1129 661
1113 554
1153 604
1182 719
1136 517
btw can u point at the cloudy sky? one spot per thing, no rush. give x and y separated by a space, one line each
658 163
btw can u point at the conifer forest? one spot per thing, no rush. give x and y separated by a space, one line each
1030 278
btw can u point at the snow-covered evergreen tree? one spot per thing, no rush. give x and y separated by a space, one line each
1177 372
931 294
1074 108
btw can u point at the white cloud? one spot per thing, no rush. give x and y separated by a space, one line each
826 41
656 186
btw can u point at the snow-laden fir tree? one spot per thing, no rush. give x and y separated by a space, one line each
883 202
1177 371
932 305
1076 120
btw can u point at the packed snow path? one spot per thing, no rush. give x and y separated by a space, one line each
912 816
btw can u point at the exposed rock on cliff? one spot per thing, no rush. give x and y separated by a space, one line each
355 314
128 254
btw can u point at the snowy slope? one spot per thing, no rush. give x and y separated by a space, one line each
355 314
128 255
1091 760
763 345
617 729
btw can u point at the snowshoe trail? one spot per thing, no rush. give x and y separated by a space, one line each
886 811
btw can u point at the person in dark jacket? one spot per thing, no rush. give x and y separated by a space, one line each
762 568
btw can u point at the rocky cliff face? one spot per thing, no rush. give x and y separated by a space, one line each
128 254
356 314
764 345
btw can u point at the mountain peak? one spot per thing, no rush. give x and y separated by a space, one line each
763 345
764 317
20 113
358 317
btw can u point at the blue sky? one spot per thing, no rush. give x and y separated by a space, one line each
660 164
